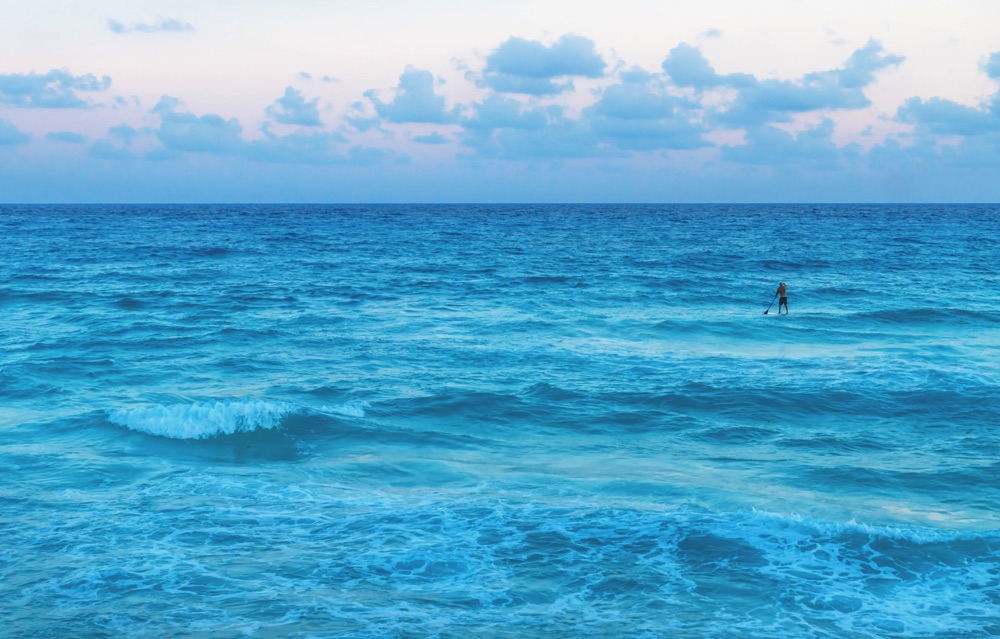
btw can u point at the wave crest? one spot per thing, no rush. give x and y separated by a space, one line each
349 409
201 420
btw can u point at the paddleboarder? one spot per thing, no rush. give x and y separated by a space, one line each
783 298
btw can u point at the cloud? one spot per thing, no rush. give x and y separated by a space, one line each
628 116
636 75
187 132
961 172
633 116
499 112
502 128
769 145
164 25
56 89
687 67
531 67
860 69
761 101
120 143
562 137
126 134
635 120
169 24
296 148
774 100
944 117
433 138
363 124
66 136
181 133
415 100
292 108
992 65
358 117
10 135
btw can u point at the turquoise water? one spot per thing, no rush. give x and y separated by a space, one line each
499 421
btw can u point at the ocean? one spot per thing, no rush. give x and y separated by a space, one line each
500 421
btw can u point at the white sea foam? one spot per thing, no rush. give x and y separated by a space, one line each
348 409
912 534
203 419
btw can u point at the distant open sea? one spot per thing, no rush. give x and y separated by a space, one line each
485 421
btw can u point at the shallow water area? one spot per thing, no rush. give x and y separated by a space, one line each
503 421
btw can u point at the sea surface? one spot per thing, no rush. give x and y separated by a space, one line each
499 421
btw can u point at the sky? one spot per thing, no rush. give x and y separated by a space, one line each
514 101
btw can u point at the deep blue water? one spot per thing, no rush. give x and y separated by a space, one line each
499 421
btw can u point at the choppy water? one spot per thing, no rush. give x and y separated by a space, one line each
499 421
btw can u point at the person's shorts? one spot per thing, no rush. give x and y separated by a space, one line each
783 300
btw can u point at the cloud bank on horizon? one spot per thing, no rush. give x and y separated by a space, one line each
561 118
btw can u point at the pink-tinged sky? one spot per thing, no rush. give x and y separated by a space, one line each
447 100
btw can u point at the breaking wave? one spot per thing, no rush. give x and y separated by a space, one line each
201 420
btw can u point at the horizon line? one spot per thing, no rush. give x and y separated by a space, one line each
511 203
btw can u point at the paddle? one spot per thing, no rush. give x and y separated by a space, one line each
772 303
